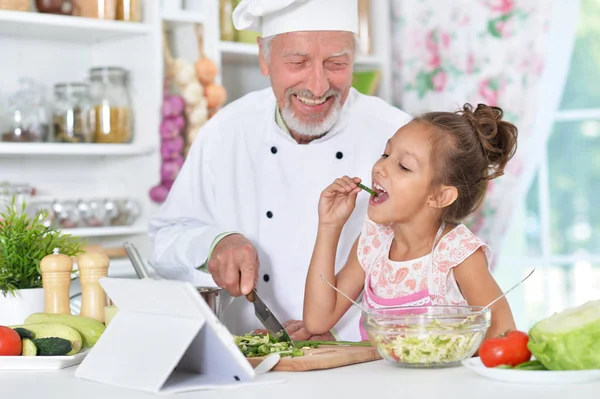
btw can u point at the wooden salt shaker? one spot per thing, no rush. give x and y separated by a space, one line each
92 266
56 280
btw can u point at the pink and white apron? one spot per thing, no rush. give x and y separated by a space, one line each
419 298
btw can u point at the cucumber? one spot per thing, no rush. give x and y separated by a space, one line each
24 333
55 330
52 346
29 348
90 329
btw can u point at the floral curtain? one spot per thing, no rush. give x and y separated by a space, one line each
446 53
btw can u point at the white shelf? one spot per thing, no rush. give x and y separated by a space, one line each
61 149
66 28
237 53
234 52
186 17
106 231
239 48
369 61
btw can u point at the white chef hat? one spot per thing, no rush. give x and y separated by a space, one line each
272 17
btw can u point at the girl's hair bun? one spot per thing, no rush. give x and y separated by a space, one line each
498 138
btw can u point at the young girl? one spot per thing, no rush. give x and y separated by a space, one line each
413 248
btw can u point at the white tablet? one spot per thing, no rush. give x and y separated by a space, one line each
164 338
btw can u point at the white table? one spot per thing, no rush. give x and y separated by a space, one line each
375 380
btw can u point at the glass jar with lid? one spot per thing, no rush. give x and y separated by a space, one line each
129 10
70 114
26 118
111 118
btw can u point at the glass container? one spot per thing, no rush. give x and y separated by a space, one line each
98 9
71 112
426 336
26 118
228 32
111 118
63 7
129 10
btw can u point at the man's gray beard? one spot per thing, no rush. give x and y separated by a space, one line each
312 129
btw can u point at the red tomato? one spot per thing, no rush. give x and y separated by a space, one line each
507 349
10 342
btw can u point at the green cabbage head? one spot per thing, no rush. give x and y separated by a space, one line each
569 340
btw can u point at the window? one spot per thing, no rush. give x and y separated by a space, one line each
557 230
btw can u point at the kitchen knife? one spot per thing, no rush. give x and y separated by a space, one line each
268 319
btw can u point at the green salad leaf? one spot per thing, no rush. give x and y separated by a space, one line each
569 340
428 349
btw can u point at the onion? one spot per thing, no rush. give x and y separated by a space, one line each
159 193
171 168
198 115
184 72
173 105
193 93
192 132
167 183
215 95
171 149
206 71
171 127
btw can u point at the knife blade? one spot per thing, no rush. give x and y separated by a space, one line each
268 319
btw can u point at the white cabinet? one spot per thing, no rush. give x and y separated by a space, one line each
53 49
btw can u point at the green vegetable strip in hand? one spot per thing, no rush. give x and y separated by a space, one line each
367 189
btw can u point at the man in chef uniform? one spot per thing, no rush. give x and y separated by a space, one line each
245 201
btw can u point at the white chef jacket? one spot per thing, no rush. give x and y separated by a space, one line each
244 173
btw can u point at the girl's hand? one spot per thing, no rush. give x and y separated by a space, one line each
337 201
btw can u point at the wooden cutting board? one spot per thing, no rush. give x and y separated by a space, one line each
323 357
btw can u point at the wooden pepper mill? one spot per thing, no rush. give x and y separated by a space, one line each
92 266
56 280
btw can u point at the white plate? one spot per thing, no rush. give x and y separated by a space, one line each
40 362
545 377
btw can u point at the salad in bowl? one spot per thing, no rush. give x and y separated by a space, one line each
427 336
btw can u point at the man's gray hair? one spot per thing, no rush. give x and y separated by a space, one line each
266 43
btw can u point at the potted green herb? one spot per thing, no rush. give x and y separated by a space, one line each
24 241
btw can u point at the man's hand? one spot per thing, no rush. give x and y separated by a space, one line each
234 265
297 332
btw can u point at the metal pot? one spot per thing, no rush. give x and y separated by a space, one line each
211 295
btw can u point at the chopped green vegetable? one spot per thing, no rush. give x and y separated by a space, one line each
256 345
367 189
569 340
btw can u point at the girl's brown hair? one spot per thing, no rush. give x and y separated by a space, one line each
471 147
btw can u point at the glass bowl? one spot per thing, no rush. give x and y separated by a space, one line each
426 336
